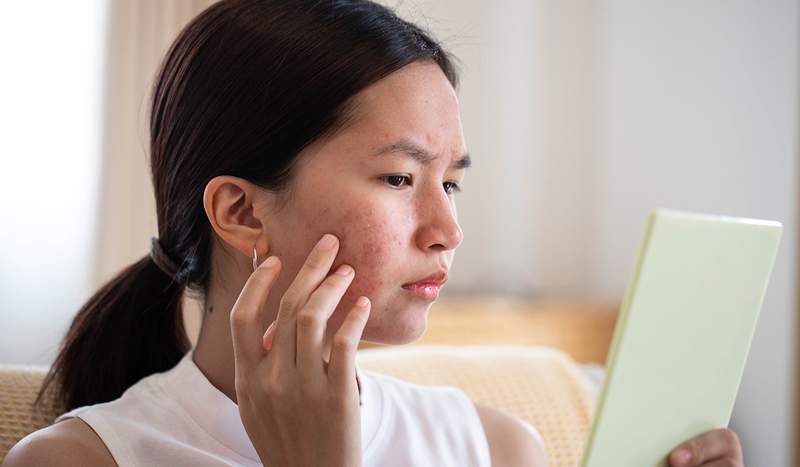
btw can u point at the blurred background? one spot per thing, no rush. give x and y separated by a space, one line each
581 117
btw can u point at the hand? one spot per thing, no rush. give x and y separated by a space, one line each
296 410
715 448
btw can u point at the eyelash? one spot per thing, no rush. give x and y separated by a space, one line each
455 187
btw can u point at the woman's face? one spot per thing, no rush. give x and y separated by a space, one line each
395 216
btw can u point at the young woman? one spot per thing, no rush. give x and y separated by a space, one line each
305 158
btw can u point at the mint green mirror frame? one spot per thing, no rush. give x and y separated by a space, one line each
683 334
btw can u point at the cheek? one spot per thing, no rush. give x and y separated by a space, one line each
372 242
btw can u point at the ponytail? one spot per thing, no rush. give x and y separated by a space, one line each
132 327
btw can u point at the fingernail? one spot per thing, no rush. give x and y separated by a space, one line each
683 456
344 270
268 336
326 242
269 262
362 301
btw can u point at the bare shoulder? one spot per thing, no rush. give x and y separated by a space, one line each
68 442
512 442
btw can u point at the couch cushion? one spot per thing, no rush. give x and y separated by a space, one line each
19 385
541 385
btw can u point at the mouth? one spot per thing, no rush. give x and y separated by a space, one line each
427 291
428 287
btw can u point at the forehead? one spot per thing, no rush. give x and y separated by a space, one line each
416 103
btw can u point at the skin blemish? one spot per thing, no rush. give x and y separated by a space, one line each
390 235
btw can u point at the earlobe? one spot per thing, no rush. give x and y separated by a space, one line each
231 205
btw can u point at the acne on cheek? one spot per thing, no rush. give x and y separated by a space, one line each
369 244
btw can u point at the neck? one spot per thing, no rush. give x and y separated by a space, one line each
213 352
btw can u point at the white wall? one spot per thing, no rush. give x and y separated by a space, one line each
50 112
582 116
698 110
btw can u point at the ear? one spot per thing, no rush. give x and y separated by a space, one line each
236 209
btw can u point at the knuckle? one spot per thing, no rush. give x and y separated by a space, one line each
288 302
308 319
343 343
316 260
237 318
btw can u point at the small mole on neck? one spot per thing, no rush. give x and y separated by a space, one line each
211 309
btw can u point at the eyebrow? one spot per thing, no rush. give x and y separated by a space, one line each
420 154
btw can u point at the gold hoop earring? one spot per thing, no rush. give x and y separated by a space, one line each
255 258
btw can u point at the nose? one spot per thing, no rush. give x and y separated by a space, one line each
438 222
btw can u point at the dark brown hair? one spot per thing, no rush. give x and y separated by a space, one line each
245 86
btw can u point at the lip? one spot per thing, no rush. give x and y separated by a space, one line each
438 278
428 291
428 287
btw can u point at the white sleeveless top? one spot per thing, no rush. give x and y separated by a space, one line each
178 418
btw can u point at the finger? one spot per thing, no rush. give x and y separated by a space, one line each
246 314
312 319
709 446
268 335
342 364
311 274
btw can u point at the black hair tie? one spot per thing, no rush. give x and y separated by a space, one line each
161 259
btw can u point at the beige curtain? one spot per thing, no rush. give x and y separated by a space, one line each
139 34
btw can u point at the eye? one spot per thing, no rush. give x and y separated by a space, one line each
396 180
454 188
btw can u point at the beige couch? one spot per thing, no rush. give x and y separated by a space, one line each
544 385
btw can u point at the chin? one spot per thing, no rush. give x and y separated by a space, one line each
397 327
